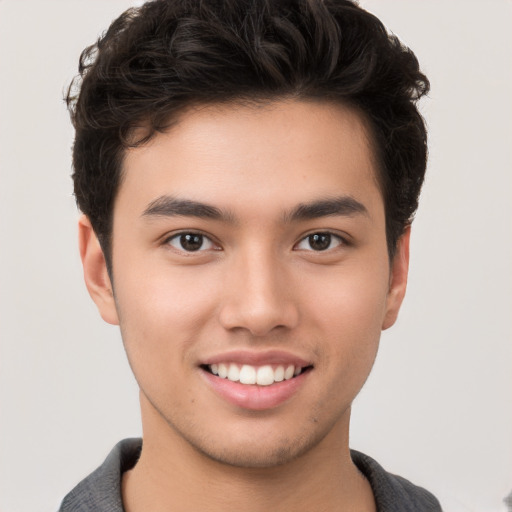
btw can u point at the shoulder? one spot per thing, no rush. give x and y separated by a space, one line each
392 492
101 490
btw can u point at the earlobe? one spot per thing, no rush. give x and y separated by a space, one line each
96 275
398 280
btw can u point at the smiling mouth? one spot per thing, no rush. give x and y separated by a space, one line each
265 375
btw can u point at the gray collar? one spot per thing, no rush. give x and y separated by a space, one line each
101 490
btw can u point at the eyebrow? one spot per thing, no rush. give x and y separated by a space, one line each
168 206
343 206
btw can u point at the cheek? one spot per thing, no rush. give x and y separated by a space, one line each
349 318
349 308
353 296
162 310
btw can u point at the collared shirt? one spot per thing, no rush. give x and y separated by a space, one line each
101 490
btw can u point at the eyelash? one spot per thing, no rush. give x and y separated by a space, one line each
212 245
178 237
332 236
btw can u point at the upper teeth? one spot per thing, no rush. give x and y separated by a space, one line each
261 375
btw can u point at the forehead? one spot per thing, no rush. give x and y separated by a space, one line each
235 154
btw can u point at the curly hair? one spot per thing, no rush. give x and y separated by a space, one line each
157 60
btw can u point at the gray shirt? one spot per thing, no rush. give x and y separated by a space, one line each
101 490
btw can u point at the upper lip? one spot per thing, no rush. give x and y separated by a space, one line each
257 358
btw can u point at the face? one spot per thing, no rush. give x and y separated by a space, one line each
251 277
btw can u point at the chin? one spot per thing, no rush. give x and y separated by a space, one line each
256 456
254 441
262 449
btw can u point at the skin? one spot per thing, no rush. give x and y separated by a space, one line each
259 285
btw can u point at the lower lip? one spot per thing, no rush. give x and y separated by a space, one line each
252 396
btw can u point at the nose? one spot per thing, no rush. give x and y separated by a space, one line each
259 296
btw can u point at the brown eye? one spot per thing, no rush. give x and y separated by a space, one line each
190 242
319 242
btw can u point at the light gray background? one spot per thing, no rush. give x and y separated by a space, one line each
437 407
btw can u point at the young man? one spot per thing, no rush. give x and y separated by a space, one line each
248 172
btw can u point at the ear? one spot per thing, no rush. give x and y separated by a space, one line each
397 280
96 276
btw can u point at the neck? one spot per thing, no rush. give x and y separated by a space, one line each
173 475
